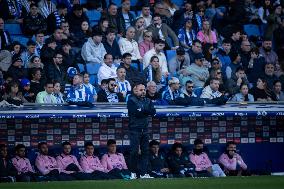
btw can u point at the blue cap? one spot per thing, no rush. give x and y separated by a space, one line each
71 71
25 82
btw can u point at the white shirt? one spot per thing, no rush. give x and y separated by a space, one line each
162 60
131 47
106 72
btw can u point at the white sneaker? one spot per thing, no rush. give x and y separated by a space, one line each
146 176
133 176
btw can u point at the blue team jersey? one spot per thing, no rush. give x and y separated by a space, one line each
80 94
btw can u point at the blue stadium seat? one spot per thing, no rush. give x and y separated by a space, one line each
198 91
94 17
179 3
23 40
252 30
171 54
93 68
83 2
81 67
117 2
13 28
134 2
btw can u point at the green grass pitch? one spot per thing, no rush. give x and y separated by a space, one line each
257 182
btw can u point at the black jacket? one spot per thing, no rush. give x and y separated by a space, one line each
138 111
102 96
32 25
9 170
176 164
156 163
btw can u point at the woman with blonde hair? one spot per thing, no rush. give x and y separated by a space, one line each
206 35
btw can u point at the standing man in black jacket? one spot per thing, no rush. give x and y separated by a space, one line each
139 108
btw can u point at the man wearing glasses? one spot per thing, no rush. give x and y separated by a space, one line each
55 69
110 94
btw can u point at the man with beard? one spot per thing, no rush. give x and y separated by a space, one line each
269 76
267 52
232 163
139 109
109 94
203 165
46 164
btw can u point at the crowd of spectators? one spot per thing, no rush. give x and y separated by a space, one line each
197 53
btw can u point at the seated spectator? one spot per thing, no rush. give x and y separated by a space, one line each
273 20
211 91
267 52
129 45
196 72
147 43
76 17
16 70
158 165
26 90
35 62
86 83
69 165
66 34
239 78
33 22
36 81
195 50
93 50
165 15
146 14
187 91
209 52
79 93
232 67
159 46
58 36
46 96
111 45
245 53
243 95
203 165
113 19
16 48
217 74
182 15
14 10
132 74
68 55
55 18
223 54
198 17
152 93
47 52
206 35
91 164
102 27
126 18
171 92
255 66
57 93
153 71
179 162
46 7
23 165
215 65
265 10
46 164
277 91
109 94
55 70
163 31
179 62
7 170
231 162
114 162
139 30
107 70
82 34
29 53
269 74
13 94
186 34
124 86
261 92
39 39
